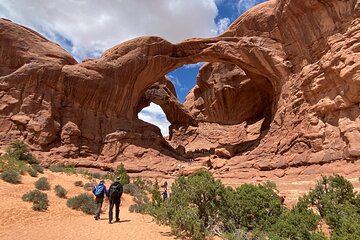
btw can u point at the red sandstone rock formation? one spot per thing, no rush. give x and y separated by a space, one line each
163 94
299 59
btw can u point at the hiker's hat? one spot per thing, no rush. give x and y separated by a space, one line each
102 180
117 179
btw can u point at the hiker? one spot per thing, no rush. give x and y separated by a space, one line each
114 194
164 194
99 191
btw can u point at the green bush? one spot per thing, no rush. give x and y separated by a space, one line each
89 186
143 184
131 189
156 198
69 170
78 183
338 204
20 151
39 199
10 163
194 209
42 184
11 176
83 202
297 223
200 206
119 172
96 175
141 203
60 191
250 207
38 168
56 168
32 172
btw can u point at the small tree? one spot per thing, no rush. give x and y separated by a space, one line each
338 204
122 174
194 207
250 207
155 194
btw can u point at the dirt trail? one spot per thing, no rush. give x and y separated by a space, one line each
19 221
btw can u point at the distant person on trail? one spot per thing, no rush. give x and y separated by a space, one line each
164 194
115 192
99 191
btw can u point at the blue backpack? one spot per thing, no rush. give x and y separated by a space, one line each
99 189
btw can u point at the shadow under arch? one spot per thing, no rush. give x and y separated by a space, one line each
248 92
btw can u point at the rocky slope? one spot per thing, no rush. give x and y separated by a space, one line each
279 99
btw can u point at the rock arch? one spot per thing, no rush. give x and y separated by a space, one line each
132 67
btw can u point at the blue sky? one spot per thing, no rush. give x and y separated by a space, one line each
87 28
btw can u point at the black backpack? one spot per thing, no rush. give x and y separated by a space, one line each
115 191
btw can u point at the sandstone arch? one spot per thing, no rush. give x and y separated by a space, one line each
150 58
86 113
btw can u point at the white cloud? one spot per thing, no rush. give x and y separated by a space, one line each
93 26
195 65
244 5
155 115
223 24
174 80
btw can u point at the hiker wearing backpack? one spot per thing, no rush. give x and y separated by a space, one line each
99 191
114 194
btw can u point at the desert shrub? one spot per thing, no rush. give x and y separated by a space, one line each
297 223
156 198
60 191
250 207
42 184
97 175
89 186
20 151
338 204
56 168
132 189
79 183
10 163
32 172
11 176
38 168
141 203
83 202
39 199
119 172
143 184
69 169
194 208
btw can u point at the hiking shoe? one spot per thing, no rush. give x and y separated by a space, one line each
110 222
117 220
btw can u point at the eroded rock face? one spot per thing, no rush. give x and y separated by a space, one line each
224 94
163 94
291 87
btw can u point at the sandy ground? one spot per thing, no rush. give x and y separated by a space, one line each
19 221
